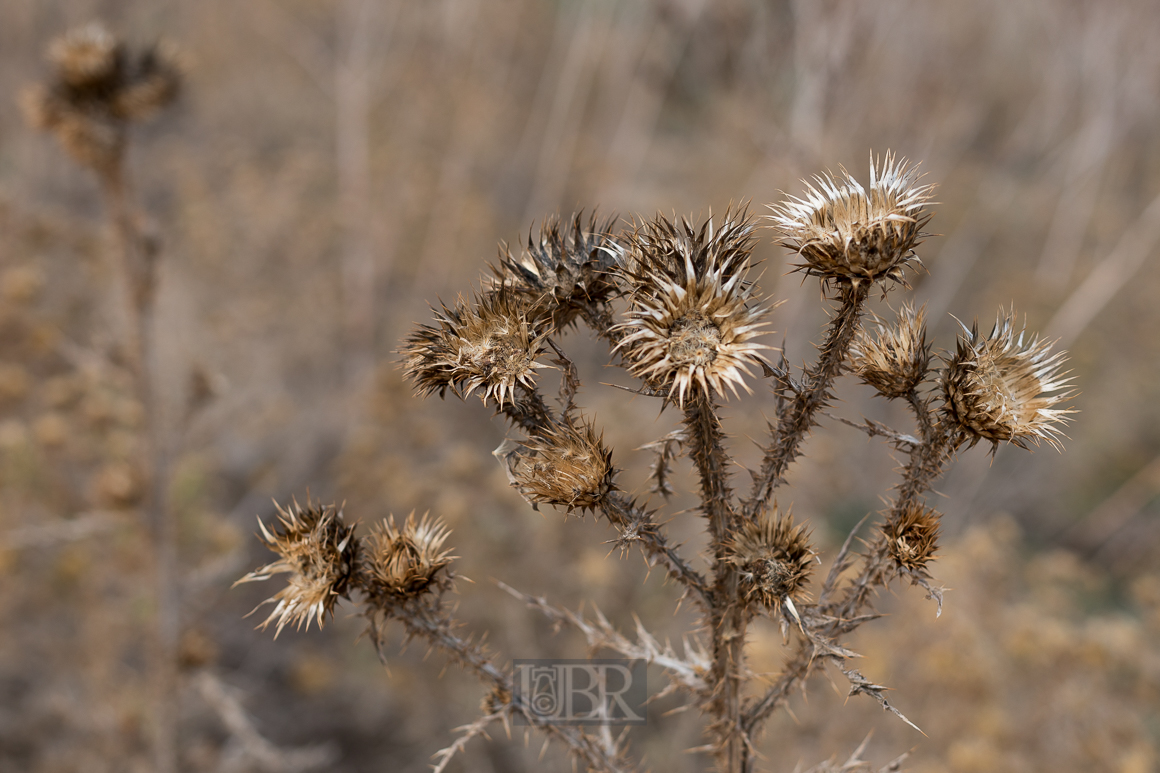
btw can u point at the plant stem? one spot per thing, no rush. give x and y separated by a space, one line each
138 268
795 419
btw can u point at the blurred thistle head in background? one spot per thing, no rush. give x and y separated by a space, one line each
847 233
693 319
97 88
1004 389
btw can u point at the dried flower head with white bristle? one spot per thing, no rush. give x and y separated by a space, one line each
847 233
402 563
565 270
491 345
912 538
692 321
566 465
319 551
895 361
773 559
1004 388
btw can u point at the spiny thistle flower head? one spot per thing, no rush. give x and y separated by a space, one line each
1004 387
319 552
98 87
564 269
895 361
692 321
490 345
566 465
849 234
773 559
405 562
912 538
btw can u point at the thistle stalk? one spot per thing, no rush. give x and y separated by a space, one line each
797 417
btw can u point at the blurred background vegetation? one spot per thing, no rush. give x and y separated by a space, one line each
336 164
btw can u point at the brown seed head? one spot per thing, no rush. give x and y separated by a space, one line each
97 88
567 466
87 57
318 550
403 563
1003 388
773 559
847 233
564 269
690 326
895 361
491 345
912 538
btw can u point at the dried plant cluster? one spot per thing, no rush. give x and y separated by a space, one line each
674 303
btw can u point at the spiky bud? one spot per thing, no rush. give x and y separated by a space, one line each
773 559
847 233
491 345
692 320
564 269
98 87
403 563
895 361
912 538
319 552
566 465
1003 388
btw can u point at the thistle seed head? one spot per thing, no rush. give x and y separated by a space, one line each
1003 388
912 538
895 361
566 465
847 233
98 87
491 345
692 320
319 551
564 269
87 57
403 563
773 559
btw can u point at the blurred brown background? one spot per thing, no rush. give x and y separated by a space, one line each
334 165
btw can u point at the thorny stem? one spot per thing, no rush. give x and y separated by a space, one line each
796 417
703 429
927 460
637 524
728 619
531 414
437 631
138 268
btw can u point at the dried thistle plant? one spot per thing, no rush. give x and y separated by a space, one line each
673 302
98 88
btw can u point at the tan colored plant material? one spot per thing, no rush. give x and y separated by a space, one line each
846 232
673 301
1004 387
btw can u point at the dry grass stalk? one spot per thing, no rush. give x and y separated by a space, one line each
673 302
